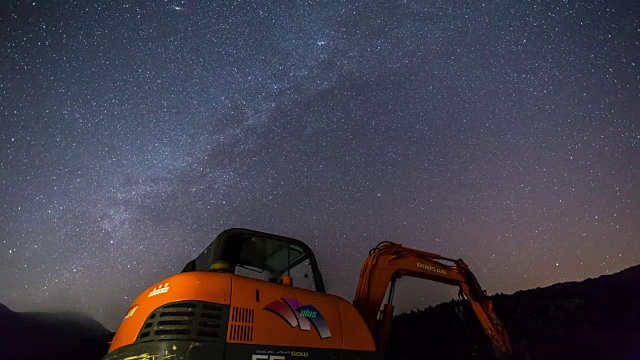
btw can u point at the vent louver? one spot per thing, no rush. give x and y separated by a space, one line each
241 325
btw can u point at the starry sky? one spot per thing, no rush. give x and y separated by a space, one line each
132 133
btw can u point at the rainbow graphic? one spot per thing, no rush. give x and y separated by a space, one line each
296 314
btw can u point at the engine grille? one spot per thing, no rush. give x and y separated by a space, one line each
186 320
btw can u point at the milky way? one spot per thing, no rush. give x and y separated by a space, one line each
131 135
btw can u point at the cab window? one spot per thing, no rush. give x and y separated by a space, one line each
269 259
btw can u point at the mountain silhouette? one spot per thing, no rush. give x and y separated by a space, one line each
62 335
592 319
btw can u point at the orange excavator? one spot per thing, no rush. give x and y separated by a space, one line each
256 296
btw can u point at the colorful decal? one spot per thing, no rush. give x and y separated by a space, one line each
294 313
161 289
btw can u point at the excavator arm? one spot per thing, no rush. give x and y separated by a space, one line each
389 261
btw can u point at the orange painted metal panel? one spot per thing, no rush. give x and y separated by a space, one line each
213 287
355 334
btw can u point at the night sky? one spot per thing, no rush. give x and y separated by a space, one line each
132 133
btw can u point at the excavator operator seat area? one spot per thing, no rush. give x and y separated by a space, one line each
261 256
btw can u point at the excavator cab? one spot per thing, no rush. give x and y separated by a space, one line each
261 256
248 295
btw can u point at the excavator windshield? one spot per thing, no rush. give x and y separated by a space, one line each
260 256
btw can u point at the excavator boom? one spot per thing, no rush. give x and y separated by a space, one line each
389 261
